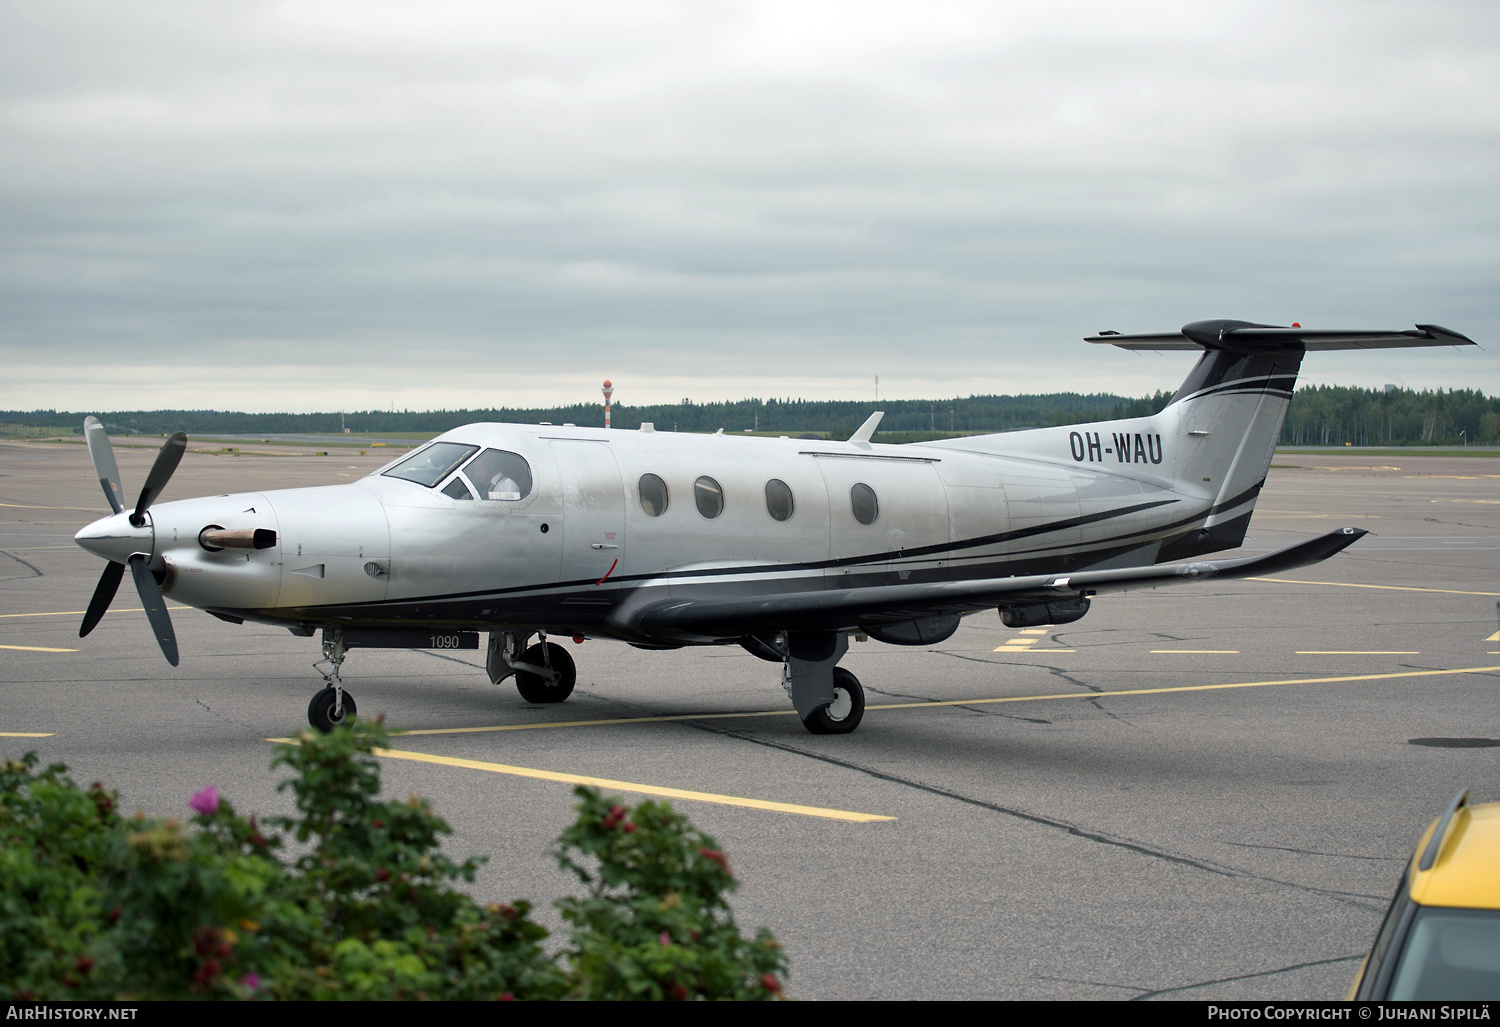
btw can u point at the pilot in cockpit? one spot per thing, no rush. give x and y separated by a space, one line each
500 475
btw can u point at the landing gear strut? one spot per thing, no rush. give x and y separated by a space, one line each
331 706
828 698
544 672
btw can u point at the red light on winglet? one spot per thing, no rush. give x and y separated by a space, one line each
1296 325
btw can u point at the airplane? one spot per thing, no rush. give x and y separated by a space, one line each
785 547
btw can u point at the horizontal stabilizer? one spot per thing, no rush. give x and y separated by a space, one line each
651 611
1249 337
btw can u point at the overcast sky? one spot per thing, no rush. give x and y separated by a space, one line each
315 205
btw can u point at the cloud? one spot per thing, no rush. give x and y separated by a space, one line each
313 205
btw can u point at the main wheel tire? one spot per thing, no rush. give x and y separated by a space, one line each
320 710
845 712
534 688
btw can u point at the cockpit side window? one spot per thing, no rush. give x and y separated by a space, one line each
497 474
456 489
431 465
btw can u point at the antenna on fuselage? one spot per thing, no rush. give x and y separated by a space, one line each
866 430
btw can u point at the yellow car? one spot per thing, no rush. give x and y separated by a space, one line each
1441 936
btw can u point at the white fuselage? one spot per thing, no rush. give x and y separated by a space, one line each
386 550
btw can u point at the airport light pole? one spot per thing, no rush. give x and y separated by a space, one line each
609 390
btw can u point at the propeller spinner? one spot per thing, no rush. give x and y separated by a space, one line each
103 456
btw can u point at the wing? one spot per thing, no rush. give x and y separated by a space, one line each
652 611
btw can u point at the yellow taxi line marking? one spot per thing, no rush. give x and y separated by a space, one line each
33 549
941 702
1189 688
76 613
84 509
1394 588
26 734
628 786
38 648
1494 638
1359 652
1033 631
623 786
1228 652
1028 649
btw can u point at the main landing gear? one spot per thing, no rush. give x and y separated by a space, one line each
544 672
827 697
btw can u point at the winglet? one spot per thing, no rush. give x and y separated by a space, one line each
867 429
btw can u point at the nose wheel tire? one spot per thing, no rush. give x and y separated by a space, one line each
845 712
320 712
537 689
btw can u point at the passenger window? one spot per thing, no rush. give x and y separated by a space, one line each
497 474
432 464
653 495
709 497
456 489
862 499
779 500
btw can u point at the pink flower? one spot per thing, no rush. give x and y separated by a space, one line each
665 939
251 981
206 801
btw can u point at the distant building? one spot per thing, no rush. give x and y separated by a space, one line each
1390 388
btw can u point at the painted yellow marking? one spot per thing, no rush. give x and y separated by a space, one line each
1033 631
1189 688
1393 588
75 613
1490 502
32 549
623 786
935 703
1359 652
26 734
1494 638
1230 652
38 649
1461 477
84 509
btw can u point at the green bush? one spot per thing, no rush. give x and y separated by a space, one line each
94 905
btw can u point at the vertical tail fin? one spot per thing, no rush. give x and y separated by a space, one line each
1229 412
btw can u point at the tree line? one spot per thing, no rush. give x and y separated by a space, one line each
1319 415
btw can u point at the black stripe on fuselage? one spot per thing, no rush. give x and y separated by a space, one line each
921 552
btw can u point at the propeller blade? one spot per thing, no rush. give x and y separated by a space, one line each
103 455
156 607
161 472
104 594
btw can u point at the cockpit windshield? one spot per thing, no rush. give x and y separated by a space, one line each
432 464
497 474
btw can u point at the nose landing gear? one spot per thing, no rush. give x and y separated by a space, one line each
331 706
